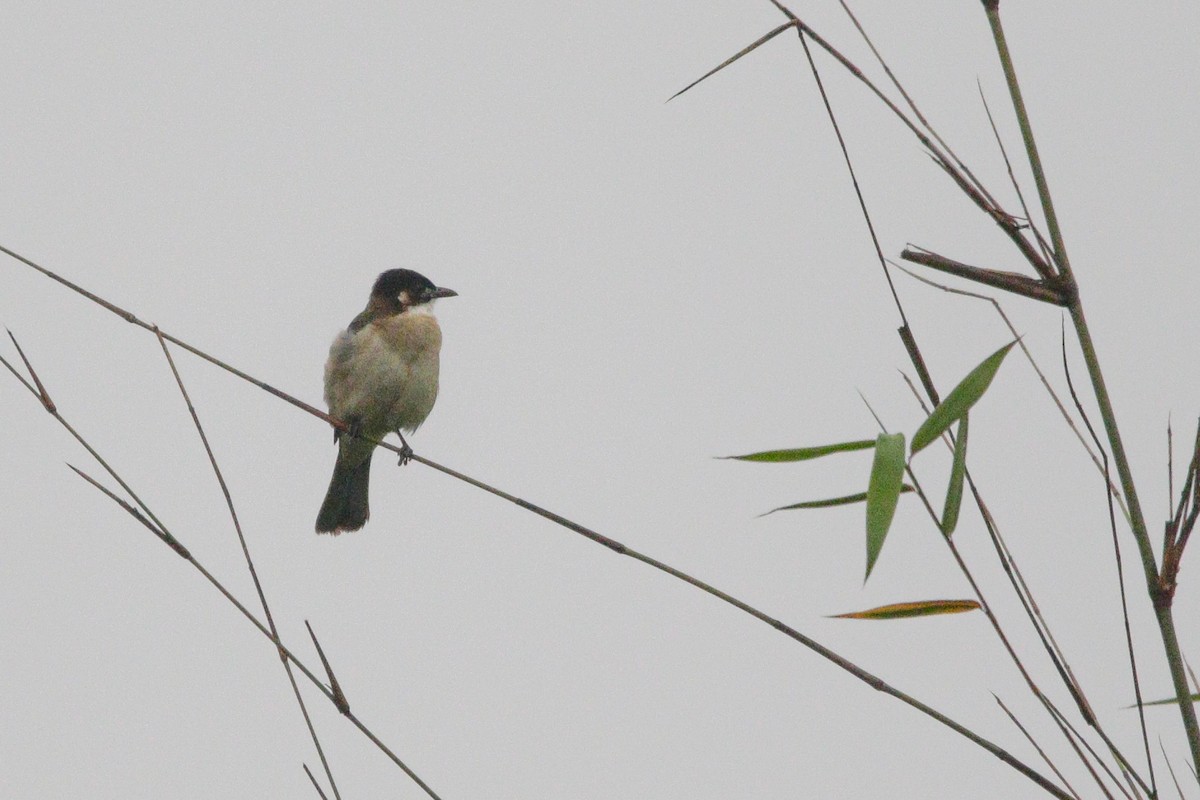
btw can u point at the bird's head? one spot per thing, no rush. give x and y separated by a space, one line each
402 289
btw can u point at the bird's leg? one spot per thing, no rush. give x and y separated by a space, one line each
406 452
355 429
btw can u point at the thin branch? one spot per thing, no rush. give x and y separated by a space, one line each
51 409
1047 256
947 161
267 633
1170 467
1183 519
237 526
871 680
144 516
917 111
1035 161
1036 747
1078 744
40 391
862 203
1171 769
130 318
316 785
1112 523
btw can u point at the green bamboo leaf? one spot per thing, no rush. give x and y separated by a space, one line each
830 502
957 470
916 608
1170 701
959 402
883 491
804 453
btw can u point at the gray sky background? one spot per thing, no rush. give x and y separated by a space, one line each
643 286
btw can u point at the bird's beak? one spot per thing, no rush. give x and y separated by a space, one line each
436 293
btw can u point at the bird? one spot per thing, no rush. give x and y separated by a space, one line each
381 376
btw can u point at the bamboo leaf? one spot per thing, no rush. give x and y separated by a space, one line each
959 402
957 470
804 453
1170 701
916 608
883 491
831 502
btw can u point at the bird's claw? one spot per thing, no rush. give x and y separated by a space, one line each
406 452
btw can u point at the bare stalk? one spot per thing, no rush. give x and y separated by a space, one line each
1160 599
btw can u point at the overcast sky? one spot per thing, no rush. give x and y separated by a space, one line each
643 286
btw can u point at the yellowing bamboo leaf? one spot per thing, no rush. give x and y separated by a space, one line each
916 608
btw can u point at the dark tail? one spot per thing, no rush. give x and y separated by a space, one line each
345 507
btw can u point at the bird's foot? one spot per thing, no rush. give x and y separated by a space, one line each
406 452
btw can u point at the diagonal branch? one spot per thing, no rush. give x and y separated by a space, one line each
871 680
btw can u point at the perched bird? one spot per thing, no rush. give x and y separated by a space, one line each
381 376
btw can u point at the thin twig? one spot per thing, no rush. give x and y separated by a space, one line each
143 515
1170 468
1041 240
1171 769
1078 744
947 162
237 526
913 106
862 203
316 785
1112 523
40 391
1036 746
1183 520
871 680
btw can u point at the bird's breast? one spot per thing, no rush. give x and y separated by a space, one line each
385 375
